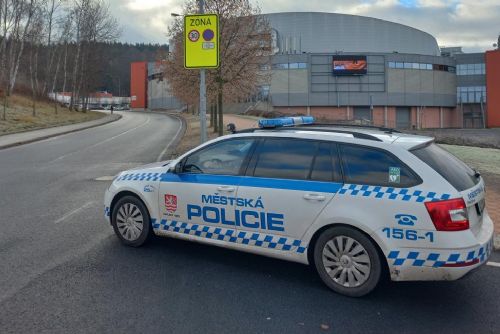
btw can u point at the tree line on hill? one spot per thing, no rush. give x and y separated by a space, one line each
64 46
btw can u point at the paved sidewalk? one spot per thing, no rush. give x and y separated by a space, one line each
21 138
466 137
241 122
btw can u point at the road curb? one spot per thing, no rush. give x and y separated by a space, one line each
496 242
105 120
174 144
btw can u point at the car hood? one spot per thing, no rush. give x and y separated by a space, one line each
154 165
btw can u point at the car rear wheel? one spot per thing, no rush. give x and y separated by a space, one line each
131 221
347 261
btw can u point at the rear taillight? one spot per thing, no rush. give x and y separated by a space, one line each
449 215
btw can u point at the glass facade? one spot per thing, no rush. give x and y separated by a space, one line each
421 66
471 94
292 66
471 69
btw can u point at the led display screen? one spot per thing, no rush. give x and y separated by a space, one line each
349 65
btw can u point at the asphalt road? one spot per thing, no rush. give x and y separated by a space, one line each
63 270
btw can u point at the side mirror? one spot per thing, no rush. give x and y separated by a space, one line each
231 128
178 167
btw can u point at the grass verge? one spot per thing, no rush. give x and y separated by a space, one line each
19 115
486 161
191 137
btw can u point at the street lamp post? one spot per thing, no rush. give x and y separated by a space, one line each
203 91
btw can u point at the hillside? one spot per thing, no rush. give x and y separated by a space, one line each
19 115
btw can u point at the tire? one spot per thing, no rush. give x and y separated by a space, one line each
347 261
131 222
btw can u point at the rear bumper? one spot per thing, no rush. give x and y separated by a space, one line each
438 264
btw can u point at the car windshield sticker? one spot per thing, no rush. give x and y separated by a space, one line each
394 174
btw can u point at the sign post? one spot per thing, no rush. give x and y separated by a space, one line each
201 51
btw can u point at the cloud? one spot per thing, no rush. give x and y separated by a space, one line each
145 20
469 23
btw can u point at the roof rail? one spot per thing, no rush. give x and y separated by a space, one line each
355 134
381 128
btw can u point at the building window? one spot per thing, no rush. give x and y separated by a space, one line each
471 94
421 66
471 69
280 66
292 66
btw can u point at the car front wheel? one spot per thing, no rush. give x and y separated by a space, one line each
131 221
347 261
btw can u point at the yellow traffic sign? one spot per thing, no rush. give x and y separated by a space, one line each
201 41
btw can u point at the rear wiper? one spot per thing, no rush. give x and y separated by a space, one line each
476 173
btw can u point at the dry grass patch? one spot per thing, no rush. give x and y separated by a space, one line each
191 138
19 116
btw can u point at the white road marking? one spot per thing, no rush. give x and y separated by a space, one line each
493 264
71 213
105 178
160 157
104 141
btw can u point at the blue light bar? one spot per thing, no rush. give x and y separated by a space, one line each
285 121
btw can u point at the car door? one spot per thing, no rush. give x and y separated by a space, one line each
198 199
288 183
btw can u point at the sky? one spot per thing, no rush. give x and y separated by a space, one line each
472 24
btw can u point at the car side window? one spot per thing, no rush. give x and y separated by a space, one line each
222 158
285 158
370 166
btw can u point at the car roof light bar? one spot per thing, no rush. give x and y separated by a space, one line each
285 121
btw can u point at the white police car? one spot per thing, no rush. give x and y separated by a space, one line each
353 201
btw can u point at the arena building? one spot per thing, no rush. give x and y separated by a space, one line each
346 68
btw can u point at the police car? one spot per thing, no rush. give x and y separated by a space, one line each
355 202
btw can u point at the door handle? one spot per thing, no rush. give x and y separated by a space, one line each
314 197
228 189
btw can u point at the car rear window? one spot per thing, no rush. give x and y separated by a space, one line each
457 173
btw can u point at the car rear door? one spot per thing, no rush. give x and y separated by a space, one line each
288 183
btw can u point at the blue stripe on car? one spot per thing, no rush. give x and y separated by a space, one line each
230 235
391 193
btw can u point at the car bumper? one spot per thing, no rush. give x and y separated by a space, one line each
108 197
438 264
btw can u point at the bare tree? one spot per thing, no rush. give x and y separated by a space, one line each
51 44
35 37
50 11
9 19
93 24
23 23
245 40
